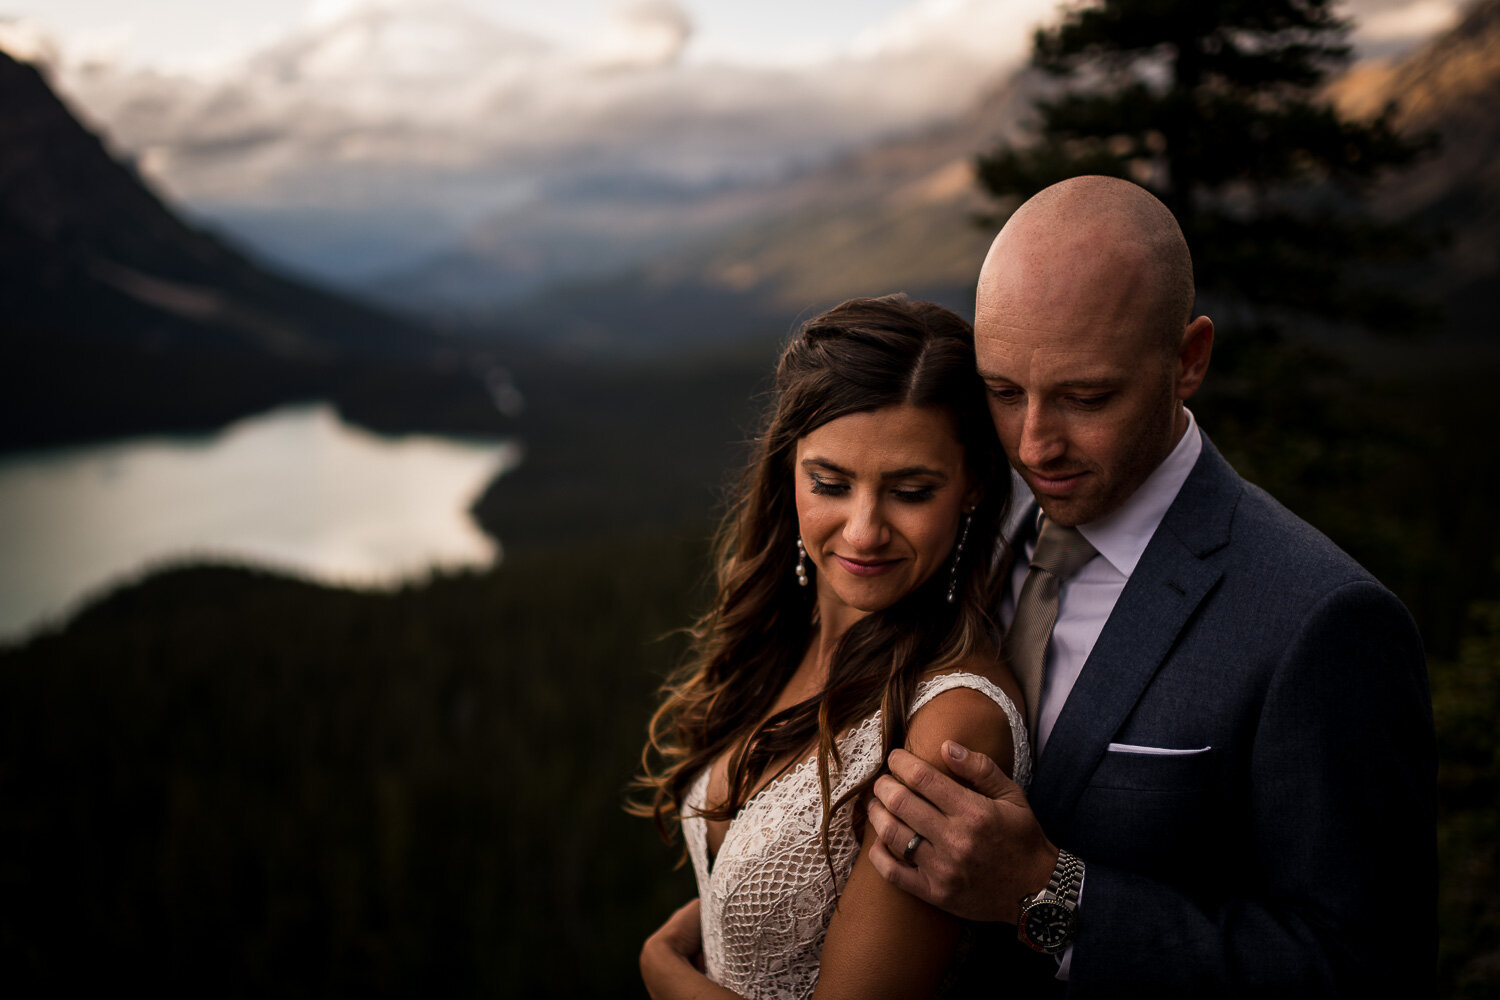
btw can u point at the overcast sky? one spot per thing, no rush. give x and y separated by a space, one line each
181 33
448 110
261 101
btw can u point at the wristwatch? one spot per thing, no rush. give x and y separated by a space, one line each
1050 917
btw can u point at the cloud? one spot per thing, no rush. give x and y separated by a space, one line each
27 41
1000 32
644 33
1382 26
427 102
428 108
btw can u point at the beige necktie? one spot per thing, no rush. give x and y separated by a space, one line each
1060 552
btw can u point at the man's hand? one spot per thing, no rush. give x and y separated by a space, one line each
983 849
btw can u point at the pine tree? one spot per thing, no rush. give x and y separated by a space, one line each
1216 107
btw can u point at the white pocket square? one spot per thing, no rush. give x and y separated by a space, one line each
1155 751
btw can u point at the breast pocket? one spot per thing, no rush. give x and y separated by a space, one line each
1148 768
1149 809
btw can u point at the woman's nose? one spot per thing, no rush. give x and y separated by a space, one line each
865 529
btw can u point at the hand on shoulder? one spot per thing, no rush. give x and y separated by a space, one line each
968 716
977 847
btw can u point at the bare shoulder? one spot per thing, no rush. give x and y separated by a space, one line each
967 716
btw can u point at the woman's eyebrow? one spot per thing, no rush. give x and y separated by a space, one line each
814 462
917 470
905 472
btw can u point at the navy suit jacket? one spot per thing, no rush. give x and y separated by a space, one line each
1292 852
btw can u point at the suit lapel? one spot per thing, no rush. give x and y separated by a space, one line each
1168 584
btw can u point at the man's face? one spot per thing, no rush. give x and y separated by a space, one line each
1084 393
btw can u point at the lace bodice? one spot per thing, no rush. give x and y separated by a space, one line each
767 897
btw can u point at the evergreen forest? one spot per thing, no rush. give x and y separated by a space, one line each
221 781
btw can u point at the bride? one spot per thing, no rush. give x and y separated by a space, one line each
851 617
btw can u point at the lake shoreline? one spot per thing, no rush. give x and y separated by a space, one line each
297 489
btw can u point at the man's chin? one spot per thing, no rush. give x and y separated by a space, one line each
1067 501
1069 512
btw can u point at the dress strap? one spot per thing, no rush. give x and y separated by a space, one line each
934 686
1020 740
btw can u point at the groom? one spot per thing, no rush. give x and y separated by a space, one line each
1235 759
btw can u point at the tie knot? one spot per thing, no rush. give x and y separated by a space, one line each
1060 550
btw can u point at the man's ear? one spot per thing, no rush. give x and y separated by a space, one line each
1192 356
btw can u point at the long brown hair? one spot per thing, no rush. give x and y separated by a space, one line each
862 355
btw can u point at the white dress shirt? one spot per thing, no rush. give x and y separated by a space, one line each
1085 601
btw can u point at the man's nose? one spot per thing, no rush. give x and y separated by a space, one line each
1042 440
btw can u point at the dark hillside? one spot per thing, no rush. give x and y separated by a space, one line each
1450 88
222 782
117 317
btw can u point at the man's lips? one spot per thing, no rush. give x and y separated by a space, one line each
1055 484
866 567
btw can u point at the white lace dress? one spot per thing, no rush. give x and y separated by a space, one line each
767 897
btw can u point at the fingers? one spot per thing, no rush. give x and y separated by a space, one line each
982 773
908 805
893 833
897 872
926 876
931 786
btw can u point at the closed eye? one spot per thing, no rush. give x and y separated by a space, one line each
918 494
824 488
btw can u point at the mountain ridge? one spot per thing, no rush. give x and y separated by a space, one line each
1450 89
121 318
902 215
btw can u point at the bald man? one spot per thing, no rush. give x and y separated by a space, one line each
1235 763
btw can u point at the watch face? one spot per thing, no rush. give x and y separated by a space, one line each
1049 926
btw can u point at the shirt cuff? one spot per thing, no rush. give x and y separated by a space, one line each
1065 960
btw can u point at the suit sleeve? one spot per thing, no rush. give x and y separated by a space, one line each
1337 895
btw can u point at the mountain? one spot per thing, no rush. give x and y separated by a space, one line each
1451 90
368 136
901 215
119 317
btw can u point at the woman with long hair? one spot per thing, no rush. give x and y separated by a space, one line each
852 616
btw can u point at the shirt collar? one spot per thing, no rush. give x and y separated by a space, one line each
1122 537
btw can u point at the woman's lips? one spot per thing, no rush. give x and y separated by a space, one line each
866 567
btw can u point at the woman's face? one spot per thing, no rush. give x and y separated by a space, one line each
879 500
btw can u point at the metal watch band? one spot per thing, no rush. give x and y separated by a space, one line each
1067 876
1055 908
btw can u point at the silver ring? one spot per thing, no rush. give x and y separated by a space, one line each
911 848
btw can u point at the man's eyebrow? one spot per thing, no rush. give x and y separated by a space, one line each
1098 382
1091 383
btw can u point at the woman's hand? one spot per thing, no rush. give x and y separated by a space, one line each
682 933
676 943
